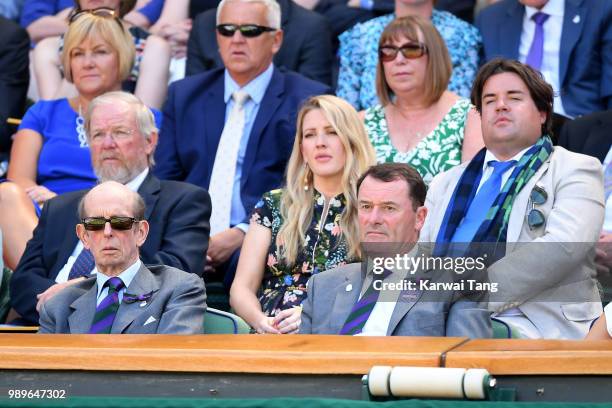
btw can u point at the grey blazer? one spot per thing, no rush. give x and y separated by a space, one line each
544 272
177 305
329 303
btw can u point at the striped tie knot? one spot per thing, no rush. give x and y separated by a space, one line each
115 284
107 308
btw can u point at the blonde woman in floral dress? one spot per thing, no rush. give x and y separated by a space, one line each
308 226
419 122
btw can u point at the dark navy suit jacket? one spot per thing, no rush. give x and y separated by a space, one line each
589 135
194 116
178 215
585 57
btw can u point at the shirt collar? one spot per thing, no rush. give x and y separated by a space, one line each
552 8
490 156
256 88
126 276
136 182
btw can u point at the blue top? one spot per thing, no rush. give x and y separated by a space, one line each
256 90
35 9
64 163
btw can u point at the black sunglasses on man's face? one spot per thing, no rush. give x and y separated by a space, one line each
247 30
116 223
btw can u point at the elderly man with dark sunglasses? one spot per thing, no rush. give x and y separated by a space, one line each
531 210
122 137
124 296
230 130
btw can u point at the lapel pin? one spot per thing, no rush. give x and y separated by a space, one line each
143 304
576 19
349 287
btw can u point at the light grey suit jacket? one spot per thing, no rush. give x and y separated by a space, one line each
329 303
545 272
177 305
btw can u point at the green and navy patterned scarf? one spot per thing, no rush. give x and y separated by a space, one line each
495 226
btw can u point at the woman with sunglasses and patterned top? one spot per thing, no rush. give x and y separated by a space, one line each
419 122
50 154
308 226
148 76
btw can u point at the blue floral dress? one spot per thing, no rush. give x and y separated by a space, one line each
359 55
284 286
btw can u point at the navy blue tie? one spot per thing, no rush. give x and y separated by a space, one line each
482 202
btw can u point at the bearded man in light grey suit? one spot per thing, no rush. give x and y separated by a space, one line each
391 214
542 221
124 296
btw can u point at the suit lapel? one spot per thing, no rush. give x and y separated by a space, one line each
345 299
509 31
143 282
84 307
598 140
516 223
68 219
149 191
574 19
269 104
214 121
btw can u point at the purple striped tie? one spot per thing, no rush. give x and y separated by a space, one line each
83 265
536 51
362 309
107 309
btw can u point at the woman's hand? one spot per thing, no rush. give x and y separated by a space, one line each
40 194
265 325
288 320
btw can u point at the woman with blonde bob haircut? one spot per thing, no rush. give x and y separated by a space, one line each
50 152
418 121
311 224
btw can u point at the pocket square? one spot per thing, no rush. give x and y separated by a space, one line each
151 319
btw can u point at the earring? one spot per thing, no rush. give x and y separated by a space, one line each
306 173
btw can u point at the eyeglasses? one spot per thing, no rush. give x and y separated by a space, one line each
247 30
104 12
535 217
119 134
116 223
388 53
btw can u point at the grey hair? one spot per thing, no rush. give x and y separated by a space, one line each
138 206
274 11
145 119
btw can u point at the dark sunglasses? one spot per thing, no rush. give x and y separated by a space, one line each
247 30
535 217
103 12
410 50
116 223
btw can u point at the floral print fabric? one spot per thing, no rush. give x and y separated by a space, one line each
435 153
285 286
359 55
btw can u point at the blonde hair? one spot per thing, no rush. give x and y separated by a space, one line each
439 66
109 29
297 203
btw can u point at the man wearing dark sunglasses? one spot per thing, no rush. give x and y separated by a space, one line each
231 130
122 137
125 296
533 210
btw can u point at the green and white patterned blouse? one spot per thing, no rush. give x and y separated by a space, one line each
437 152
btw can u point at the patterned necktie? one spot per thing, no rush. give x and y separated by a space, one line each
363 307
83 265
224 168
107 309
536 51
482 202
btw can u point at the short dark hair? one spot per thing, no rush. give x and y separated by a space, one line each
388 172
541 92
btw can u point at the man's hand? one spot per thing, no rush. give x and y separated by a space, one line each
177 35
54 290
603 255
288 320
221 246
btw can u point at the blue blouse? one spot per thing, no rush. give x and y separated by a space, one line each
359 56
64 163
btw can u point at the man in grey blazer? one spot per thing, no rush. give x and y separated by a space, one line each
544 219
124 296
391 214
